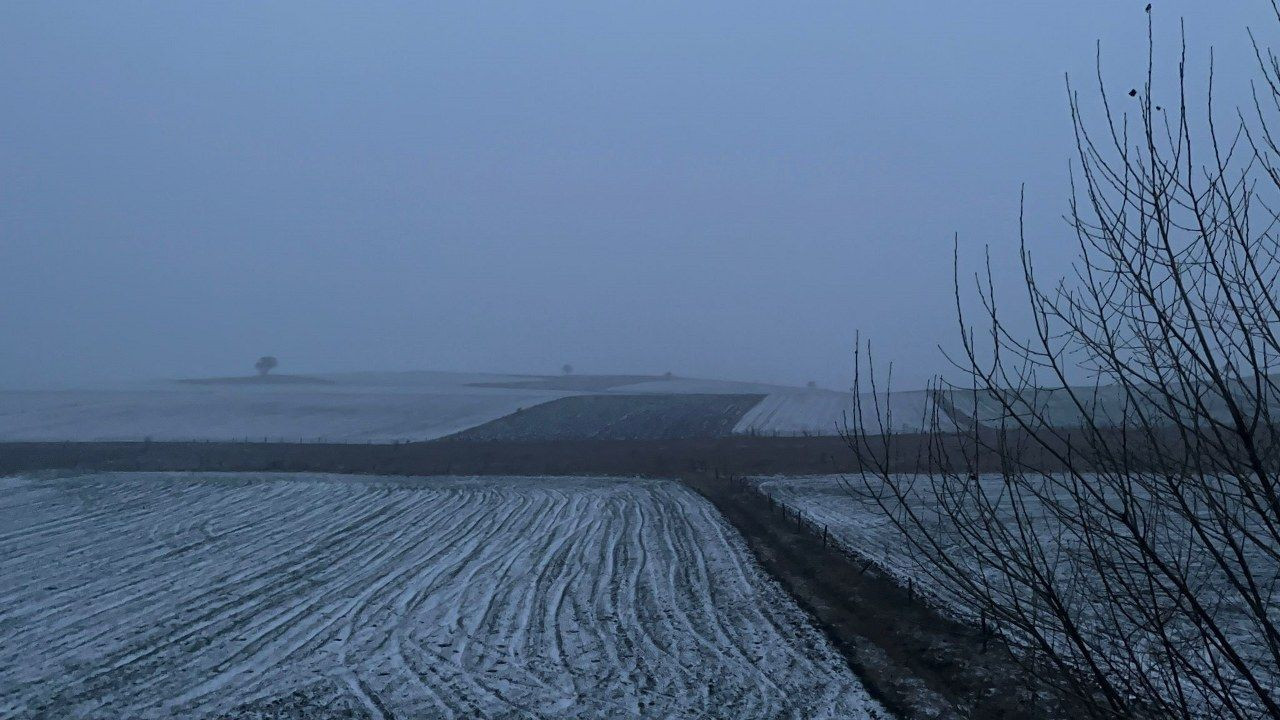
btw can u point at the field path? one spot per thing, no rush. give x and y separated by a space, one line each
327 596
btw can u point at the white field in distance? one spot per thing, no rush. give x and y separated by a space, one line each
827 412
383 407
189 596
364 407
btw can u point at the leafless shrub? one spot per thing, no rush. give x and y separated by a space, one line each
1129 537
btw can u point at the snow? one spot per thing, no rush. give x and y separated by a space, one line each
337 413
383 407
236 595
862 528
857 525
826 412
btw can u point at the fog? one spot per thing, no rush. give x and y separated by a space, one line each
717 189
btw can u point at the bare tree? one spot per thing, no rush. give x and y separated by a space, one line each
266 364
1126 532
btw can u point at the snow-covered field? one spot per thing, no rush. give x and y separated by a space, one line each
163 595
388 407
826 412
347 412
862 528
854 524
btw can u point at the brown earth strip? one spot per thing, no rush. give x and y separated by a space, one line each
658 458
738 454
618 417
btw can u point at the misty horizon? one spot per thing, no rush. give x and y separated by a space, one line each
723 191
837 360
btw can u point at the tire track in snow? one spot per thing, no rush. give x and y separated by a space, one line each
159 596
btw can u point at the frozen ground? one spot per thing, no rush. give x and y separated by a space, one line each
620 417
347 407
387 407
862 528
826 412
379 408
156 596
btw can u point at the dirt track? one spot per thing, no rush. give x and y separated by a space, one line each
918 663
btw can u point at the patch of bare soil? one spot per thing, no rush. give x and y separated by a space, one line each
618 417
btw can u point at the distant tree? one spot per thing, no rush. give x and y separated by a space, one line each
811 384
567 369
266 364
668 375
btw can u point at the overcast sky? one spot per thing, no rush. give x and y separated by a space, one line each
722 189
